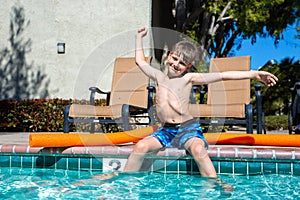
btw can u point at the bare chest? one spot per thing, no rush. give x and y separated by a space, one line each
175 88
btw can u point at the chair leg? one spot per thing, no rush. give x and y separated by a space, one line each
249 118
125 117
264 128
258 89
290 121
151 113
66 119
92 129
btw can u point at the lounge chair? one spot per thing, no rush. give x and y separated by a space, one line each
294 110
228 102
128 98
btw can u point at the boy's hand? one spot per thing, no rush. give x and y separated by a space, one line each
266 78
142 32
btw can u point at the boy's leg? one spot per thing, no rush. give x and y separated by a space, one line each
196 147
136 158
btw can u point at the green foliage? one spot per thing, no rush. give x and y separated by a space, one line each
32 115
201 67
192 33
276 122
218 26
254 16
37 115
276 99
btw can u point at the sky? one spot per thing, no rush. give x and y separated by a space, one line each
264 50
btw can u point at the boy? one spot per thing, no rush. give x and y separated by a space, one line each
172 100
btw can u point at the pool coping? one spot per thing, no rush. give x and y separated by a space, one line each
214 151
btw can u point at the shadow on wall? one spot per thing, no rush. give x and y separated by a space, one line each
20 80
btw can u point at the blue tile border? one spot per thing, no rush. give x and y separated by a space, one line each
181 165
240 160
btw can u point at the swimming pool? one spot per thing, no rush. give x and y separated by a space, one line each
47 184
67 173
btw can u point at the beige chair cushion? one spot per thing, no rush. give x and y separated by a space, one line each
217 110
226 98
77 110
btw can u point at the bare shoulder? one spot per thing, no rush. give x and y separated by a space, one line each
189 76
203 78
193 77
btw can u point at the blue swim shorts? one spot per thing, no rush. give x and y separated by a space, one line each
176 135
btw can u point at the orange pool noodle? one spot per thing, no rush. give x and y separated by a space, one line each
284 140
87 139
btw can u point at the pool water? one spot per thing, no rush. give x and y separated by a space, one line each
23 183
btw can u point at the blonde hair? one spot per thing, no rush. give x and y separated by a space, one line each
186 50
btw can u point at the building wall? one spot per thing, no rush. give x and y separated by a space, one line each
94 33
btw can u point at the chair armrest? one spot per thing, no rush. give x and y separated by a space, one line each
95 90
297 86
151 88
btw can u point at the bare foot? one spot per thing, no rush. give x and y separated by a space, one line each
106 176
227 187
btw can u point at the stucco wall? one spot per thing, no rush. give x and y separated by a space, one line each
94 32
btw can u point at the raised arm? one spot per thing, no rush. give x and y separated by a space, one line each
205 78
140 56
139 51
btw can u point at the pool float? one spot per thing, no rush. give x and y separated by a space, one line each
87 139
283 140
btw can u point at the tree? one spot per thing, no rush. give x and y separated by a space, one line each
220 25
277 99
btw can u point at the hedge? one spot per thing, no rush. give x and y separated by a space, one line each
276 122
37 115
